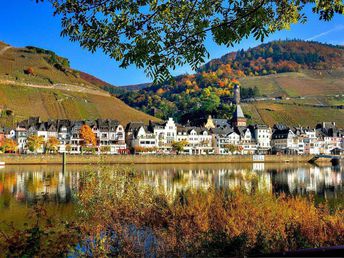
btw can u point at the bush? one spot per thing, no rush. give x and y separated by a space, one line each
29 71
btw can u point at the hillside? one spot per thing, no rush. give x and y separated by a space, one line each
309 74
37 82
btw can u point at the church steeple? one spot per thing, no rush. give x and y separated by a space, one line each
236 99
238 117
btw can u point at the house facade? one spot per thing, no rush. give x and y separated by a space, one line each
110 135
215 136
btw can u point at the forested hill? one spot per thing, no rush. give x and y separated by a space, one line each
281 56
209 91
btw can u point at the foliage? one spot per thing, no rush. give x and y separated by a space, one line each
44 236
159 36
105 149
179 146
140 149
35 142
231 148
29 71
247 93
210 90
86 133
68 148
140 220
89 149
52 58
281 56
10 146
120 216
52 144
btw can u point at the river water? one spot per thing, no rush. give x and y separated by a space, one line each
21 186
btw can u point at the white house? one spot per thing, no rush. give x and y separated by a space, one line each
262 136
165 133
199 140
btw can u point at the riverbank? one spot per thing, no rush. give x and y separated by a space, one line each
150 159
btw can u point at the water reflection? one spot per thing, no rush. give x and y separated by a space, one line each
20 186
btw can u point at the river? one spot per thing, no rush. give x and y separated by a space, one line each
21 186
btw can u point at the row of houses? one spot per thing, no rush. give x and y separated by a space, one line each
223 136
212 136
110 135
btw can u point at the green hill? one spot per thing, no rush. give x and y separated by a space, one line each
309 76
37 82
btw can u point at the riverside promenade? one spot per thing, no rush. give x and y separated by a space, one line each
14 159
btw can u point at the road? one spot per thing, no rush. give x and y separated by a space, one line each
58 86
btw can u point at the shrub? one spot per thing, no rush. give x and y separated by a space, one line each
198 223
29 71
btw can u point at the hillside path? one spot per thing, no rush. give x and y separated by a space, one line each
59 86
2 51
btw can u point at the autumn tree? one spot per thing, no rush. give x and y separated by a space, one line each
179 146
89 138
35 142
160 35
10 146
52 145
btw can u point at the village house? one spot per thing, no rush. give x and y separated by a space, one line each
225 137
262 135
199 140
216 136
284 140
110 135
138 136
165 134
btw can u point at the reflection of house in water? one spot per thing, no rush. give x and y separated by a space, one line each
34 185
19 190
323 181
173 181
30 185
62 188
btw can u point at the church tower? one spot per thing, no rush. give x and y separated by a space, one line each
239 119
236 98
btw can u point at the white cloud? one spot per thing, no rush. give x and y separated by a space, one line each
337 28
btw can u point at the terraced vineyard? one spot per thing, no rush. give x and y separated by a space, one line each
270 113
309 97
31 84
304 83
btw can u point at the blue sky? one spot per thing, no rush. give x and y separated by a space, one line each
23 23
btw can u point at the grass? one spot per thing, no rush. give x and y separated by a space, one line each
47 103
271 113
